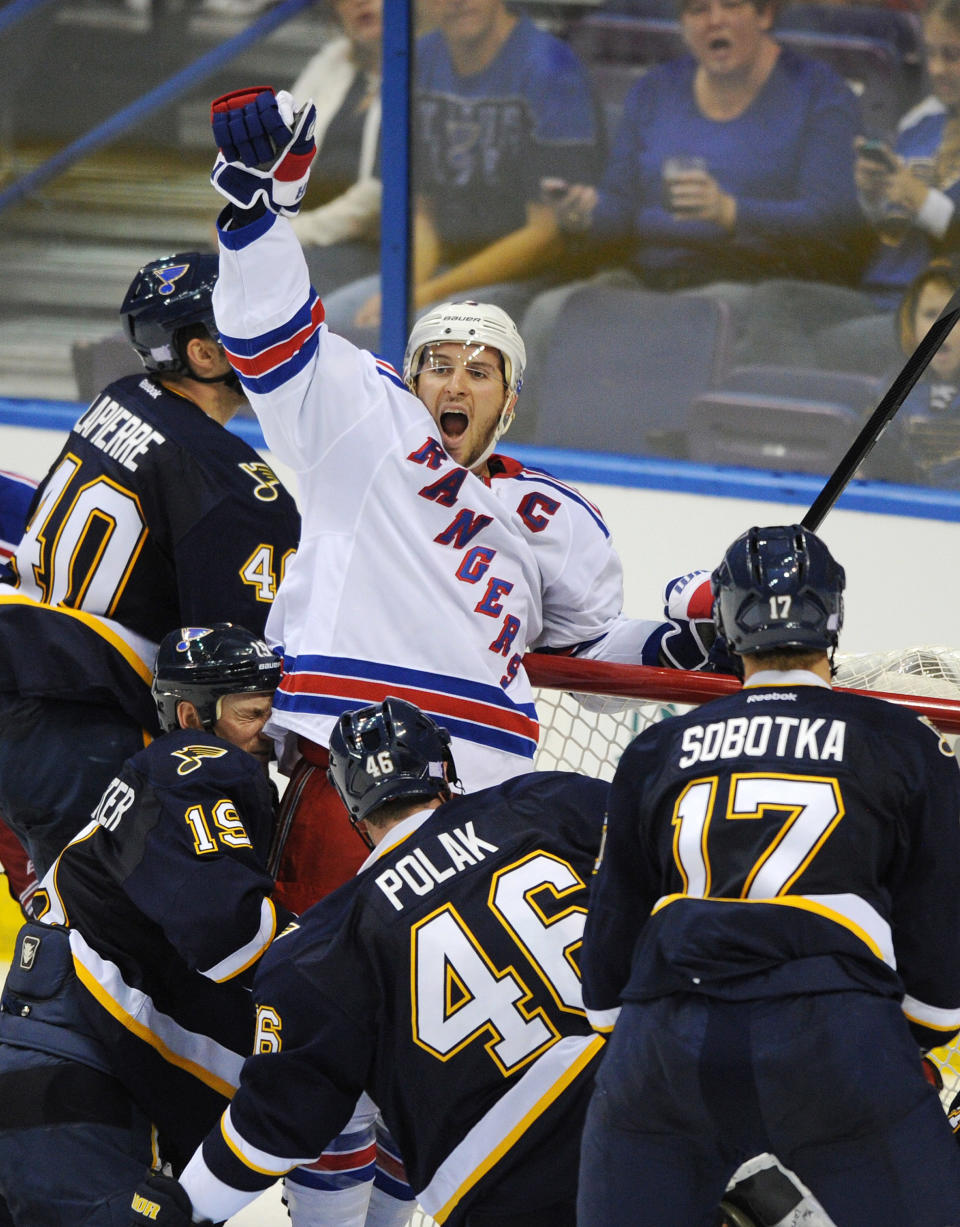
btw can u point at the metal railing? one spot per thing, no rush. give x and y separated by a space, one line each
129 116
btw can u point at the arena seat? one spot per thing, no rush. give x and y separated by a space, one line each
612 82
872 67
858 392
623 38
761 430
97 363
642 8
793 418
904 31
624 366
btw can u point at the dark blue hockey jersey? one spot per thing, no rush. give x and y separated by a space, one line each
165 895
785 839
152 516
444 981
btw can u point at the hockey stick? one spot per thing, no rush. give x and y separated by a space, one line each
890 402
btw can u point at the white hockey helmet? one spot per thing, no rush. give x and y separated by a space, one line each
466 323
480 323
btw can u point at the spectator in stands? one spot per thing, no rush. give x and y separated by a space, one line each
153 515
908 195
922 443
339 226
500 105
732 164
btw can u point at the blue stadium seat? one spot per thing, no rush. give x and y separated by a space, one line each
904 31
858 391
642 8
872 67
760 430
624 366
627 38
612 82
97 363
791 418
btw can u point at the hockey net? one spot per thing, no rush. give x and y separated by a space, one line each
590 711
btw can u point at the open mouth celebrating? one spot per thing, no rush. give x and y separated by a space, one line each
454 423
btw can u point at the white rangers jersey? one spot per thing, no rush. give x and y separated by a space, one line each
413 577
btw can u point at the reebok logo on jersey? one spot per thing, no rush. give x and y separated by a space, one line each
762 698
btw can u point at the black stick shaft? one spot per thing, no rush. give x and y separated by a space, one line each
890 402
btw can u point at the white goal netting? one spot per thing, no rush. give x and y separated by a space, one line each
590 737
933 671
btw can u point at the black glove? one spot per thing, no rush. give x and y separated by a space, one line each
721 660
161 1201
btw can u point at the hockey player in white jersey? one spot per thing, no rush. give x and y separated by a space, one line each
428 564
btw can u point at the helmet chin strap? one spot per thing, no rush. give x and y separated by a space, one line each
504 423
230 378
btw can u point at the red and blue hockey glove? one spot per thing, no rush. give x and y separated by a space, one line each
689 597
266 149
162 1202
688 603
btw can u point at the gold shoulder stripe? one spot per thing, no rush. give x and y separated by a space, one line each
144 671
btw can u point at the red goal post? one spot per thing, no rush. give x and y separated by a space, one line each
590 710
647 685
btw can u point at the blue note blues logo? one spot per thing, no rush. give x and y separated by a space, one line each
169 276
190 634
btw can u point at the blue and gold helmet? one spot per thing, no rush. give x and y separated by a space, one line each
164 297
202 664
778 587
388 751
